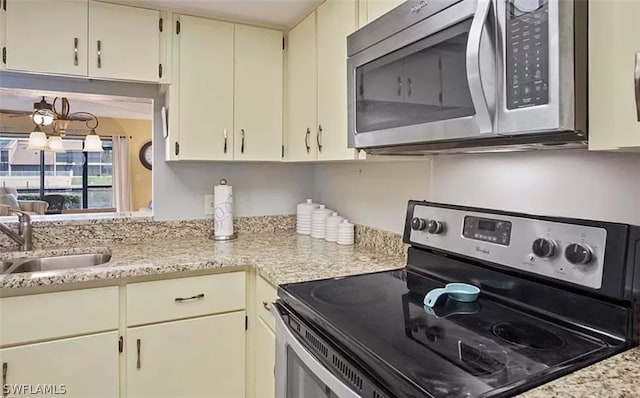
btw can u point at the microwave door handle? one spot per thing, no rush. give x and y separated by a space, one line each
474 76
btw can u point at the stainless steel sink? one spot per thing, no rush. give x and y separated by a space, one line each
33 264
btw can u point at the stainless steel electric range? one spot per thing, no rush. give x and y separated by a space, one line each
557 294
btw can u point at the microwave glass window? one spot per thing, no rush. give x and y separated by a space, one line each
421 83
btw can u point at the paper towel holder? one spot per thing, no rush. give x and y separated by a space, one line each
224 237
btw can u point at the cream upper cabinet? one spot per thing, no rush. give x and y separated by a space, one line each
204 49
614 75
258 94
77 367
200 357
376 8
265 360
336 20
124 42
48 36
302 80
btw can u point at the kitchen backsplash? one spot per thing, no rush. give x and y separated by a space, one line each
48 234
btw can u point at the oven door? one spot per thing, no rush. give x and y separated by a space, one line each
299 373
432 81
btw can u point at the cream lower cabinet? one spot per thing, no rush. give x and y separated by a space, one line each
614 75
201 357
265 360
78 367
264 340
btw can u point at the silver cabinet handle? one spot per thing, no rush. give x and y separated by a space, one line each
75 51
242 141
306 140
183 299
225 140
138 363
5 369
318 137
399 86
266 306
637 81
409 87
99 54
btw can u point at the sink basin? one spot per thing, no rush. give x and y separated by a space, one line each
33 264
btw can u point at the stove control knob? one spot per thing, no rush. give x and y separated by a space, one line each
544 247
418 224
435 227
578 253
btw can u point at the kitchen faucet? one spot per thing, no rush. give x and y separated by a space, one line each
24 237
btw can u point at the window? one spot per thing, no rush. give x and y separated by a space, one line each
85 180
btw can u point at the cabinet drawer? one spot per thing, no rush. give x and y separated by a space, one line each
265 295
149 302
53 315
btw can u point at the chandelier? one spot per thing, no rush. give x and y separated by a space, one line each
45 114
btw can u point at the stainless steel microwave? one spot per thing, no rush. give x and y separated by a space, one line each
469 75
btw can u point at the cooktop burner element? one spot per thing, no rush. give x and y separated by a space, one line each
526 335
540 313
361 294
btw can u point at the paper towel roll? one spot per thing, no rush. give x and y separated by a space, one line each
223 210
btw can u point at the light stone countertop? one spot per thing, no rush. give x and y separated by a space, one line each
285 257
616 377
281 257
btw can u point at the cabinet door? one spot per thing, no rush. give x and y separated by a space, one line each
82 366
376 8
48 36
420 78
205 51
336 20
258 94
614 59
124 42
302 82
201 357
265 359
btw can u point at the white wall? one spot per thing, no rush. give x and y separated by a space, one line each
372 193
258 188
572 183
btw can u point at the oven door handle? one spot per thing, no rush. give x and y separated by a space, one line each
474 74
286 339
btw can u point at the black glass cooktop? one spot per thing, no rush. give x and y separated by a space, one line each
454 350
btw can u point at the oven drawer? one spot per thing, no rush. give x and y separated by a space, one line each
149 302
266 294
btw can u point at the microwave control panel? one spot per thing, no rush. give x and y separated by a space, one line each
527 53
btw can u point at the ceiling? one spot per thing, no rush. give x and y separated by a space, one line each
282 14
99 105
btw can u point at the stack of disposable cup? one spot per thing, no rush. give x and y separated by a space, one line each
319 222
331 233
303 219
346 233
